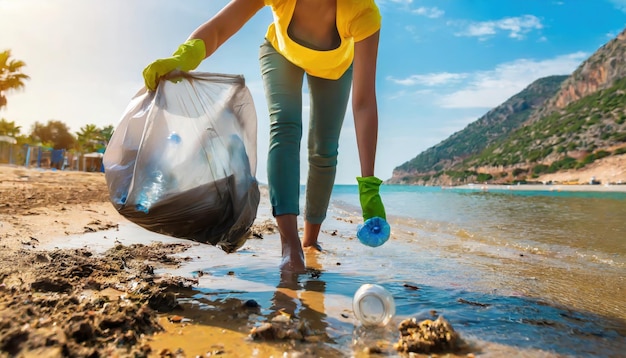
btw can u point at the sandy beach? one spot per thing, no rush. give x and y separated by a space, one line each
51 300
111 298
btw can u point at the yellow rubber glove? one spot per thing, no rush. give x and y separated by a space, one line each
371 203
187 57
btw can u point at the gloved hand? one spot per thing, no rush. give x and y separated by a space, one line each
371 202
187 57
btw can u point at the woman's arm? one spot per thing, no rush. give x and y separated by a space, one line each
364 104
207 38
226 23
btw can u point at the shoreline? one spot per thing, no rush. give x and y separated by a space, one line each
541 187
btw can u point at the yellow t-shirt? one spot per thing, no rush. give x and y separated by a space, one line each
356 20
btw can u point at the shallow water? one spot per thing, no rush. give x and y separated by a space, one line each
524 275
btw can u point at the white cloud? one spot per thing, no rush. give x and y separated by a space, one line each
412 32
406 5
487 89
516 27
431 79
619 4
613 33
430 12
411 94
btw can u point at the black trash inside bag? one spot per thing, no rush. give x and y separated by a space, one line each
182 160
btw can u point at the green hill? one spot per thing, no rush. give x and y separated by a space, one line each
493 127
557 123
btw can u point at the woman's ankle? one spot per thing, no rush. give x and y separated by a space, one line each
292 257
292 254
311 235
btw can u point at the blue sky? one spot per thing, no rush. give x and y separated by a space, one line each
442 64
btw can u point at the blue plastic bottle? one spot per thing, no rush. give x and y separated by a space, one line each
374 231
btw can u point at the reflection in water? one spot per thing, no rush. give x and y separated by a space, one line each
304 300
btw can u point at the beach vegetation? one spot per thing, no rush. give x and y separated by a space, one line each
540 169
91 138
54 134
519 171
483 177
461 175
620 137
9 128
562 164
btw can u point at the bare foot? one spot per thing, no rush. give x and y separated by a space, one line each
315 245
293 257
293 260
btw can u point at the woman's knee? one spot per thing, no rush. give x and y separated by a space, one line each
323 161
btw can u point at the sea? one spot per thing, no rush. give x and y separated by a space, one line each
517 273
543 270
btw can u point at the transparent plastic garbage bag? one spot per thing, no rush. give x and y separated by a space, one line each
182 160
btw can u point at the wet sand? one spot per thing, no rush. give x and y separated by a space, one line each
43 217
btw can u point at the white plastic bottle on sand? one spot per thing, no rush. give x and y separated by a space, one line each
373 305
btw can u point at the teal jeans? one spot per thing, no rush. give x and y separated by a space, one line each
328 98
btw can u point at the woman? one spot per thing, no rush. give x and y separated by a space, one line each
333 42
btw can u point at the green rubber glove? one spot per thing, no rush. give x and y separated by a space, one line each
187 57
371 202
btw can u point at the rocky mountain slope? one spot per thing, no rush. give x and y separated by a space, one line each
497 124
557 124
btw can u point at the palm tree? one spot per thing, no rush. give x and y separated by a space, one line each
9 128
107 133
89 138
11 76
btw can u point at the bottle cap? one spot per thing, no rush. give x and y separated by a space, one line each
373 305
174 138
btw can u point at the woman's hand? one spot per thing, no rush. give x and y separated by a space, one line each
188 56
371 203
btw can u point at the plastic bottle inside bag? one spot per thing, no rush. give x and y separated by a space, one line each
151 192
157 184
